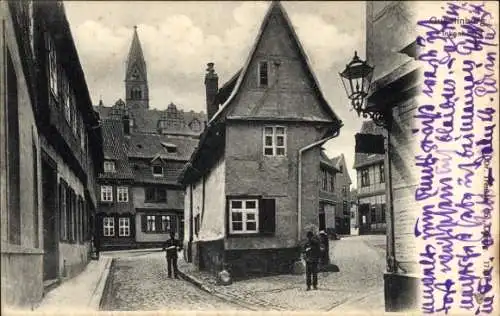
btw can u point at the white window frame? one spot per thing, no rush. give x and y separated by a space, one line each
274 141
109 166
259 83
244 216
157 174
124 226
106 193
166 219
108 226
122 194
151 219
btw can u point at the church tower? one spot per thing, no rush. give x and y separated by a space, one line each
136 81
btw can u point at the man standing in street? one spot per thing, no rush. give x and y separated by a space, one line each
172 246
312 254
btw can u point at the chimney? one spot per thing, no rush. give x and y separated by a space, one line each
211 87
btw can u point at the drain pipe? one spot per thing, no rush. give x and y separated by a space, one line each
299 182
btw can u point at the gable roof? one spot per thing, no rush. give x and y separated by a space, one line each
276 6
115 148
363 159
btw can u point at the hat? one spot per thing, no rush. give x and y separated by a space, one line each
322 232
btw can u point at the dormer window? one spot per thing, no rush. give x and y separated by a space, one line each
171 148
157 171
109 166
263 74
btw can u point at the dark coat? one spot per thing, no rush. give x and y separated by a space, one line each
312 250
171 246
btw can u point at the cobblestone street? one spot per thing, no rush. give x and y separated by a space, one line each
140 282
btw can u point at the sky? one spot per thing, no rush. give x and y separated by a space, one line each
179 38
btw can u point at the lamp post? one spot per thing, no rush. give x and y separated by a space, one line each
356 78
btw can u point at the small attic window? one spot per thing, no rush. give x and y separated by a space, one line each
157 171
171 148
139 146
263 74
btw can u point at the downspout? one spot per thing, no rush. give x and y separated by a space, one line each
299 182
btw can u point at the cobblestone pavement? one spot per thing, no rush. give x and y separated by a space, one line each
357 286
140 282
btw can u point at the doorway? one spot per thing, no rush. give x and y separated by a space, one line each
50 236
364 220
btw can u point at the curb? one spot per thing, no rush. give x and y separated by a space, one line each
214 292
97 295
235 300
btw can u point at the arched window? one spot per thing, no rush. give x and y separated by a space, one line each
136 93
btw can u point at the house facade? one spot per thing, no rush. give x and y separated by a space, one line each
395 89
371 202
145 149
334 194
51 151
252 184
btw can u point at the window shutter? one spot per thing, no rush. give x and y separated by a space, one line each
144 223
228 224
267 216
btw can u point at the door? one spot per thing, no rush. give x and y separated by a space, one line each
364 220
50 237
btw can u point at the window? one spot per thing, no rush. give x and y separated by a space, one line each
124 227
150 222
345 206
109 166
274 141
324 179
197 224
108 224
332 182
157 171
365 177
382 173
382 219
52 66
166 223
13 155
106 193
156 195
344 190
373 214
136 93
353 214
35 193
122 194
243 216
263 74
62 211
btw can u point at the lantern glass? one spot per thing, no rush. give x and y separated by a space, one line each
356 79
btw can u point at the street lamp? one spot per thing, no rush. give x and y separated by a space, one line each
356 78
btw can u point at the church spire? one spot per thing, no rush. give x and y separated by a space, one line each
136 81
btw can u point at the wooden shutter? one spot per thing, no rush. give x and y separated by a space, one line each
144 223
267 216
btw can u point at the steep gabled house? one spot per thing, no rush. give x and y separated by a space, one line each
252 184
371 187
116 212
334 207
